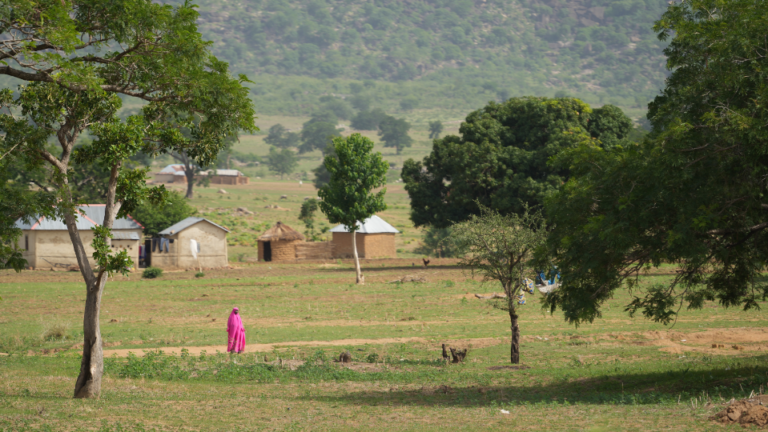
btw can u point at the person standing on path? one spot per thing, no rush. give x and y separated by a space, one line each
236 332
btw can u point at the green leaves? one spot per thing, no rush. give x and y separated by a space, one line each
108 263
354 172
503 158
282 162
692 194
501 247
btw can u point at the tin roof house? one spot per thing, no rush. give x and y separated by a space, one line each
375 238
45 242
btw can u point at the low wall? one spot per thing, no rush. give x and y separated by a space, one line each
314 250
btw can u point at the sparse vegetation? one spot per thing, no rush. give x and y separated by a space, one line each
152 273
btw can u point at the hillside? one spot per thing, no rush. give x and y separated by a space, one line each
444 55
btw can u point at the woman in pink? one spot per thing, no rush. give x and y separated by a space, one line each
236 332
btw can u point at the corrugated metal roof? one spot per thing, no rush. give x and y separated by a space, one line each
172 169
125 236
228 172
186 223
372 225
91 215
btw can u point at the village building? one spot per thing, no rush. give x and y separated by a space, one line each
226 177
175 174
173 248
45 242
375 238
279 243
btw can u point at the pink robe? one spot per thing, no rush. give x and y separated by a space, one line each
236 333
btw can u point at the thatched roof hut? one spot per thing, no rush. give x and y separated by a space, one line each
279 243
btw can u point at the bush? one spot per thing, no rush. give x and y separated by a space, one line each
55 331
152 272
199 274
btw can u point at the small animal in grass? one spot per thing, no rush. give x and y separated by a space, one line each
426 262
345 357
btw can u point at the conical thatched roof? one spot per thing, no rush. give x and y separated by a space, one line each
281 232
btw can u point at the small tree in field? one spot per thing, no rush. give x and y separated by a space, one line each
282 162
501 248
348 197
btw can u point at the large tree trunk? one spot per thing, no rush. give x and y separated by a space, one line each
88 384
358 273
189 172
515 349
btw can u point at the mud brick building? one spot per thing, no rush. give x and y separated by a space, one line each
375 238
279 243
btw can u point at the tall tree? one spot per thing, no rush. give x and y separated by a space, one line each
282 162
394 133
318 131
281 138
368 120
692 194
435 129
348 197
191 163
501 248
501 160
77 56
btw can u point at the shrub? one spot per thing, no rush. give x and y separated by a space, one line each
151 273
199 274
55 331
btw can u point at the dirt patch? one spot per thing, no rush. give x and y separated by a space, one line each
516 367
268 347
745 412
713 341
363 367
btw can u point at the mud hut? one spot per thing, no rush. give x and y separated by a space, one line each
375 238
279 243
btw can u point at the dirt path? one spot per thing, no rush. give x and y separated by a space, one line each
262 347
711 341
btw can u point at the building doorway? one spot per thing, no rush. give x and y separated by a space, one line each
267 251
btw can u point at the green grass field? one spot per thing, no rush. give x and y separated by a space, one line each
165 338
618 373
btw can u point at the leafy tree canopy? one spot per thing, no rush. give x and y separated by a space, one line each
502 158
693 194
368 120
435 129
282 162
394 133
281 138
157 217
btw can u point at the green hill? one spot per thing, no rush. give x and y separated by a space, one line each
438 57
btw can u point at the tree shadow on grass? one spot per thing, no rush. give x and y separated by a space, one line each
608 389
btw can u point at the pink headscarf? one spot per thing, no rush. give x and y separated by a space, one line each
236 332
